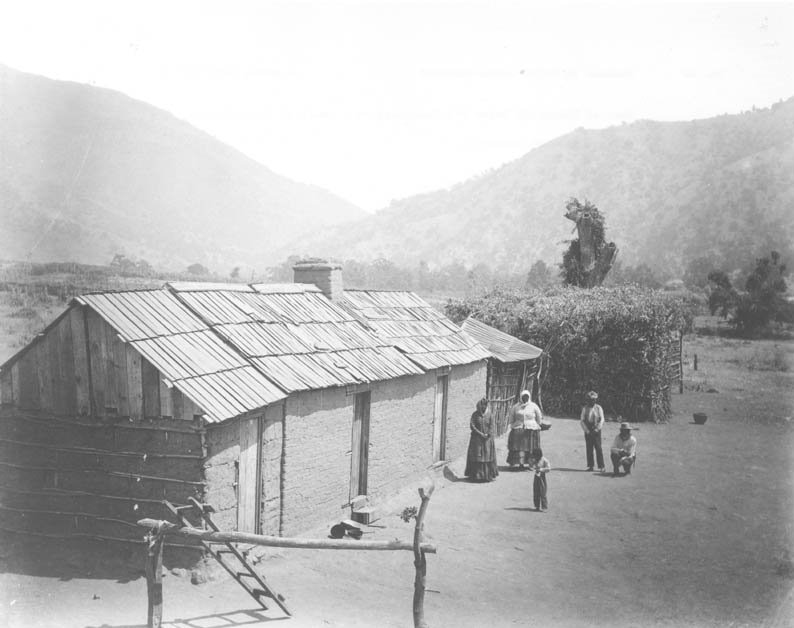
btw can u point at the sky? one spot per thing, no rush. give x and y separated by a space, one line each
380 100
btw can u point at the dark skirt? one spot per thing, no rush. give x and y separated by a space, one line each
520 444
481 459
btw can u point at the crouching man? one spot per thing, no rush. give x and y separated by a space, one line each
624 450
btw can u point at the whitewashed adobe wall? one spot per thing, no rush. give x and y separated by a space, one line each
316 465
401 433
466 387
317 446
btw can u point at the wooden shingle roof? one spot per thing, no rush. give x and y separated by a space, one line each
416 328
188 353
234 348
502 346
295 336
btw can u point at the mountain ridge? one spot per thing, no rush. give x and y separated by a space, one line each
87 172
671 192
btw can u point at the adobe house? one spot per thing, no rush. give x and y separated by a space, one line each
276 403
513 366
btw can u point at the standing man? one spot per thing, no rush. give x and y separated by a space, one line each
592 420
624 450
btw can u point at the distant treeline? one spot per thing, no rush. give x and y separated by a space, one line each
383 274
70 278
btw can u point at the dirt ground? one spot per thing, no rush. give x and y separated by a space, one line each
701 534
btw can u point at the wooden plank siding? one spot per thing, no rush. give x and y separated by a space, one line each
41 358
97 361
166 403
6 388
66 371
15 384
28 382
81 366
117 399
134 383
151 389
51 365
82 387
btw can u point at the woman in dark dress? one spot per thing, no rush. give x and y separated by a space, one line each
481 458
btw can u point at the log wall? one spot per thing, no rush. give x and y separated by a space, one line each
69 477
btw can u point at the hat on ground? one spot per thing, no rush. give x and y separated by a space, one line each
625 426
592 395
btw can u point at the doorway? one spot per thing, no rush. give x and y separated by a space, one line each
249 474
440 419
360 449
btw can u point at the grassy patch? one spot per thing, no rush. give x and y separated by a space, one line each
770 359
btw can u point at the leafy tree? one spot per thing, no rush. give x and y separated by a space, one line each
723 297
144 268
641 275
129 267
539 276
386 275
589 257
696 274
424 278
198 269
235 274
122 264
764 301
356 274
753 311
452 277
479 278
283 272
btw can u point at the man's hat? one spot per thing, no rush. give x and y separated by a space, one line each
592 395
625 426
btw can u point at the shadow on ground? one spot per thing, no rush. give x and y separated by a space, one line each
80 559
218 620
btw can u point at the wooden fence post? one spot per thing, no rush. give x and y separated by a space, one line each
154 577
420 562
680 363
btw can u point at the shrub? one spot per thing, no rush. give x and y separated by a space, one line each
754 312
617 341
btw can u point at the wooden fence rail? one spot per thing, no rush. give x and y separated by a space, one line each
158 530
171 529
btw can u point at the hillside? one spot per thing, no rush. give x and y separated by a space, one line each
671 192
86 173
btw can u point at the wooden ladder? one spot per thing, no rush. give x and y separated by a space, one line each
244 572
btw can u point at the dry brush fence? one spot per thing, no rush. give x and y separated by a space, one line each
622 342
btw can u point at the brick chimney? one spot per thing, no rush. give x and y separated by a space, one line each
327 276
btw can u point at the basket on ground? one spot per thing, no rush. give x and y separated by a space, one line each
700 417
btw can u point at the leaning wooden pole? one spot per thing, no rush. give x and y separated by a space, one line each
420 562
279 541
154 576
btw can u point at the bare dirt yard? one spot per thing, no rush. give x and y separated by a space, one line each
701 534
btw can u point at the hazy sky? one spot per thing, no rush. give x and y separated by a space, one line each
381 100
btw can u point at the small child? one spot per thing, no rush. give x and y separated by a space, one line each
541 466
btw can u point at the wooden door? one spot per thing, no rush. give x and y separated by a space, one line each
440 419
270 470
249 475
360 449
